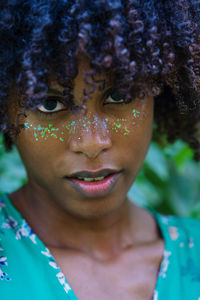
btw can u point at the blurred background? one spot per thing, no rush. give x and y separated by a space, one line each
169 180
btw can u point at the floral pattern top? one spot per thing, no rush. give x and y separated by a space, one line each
28 268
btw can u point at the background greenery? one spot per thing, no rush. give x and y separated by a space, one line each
169 180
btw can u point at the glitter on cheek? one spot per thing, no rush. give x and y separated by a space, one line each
83 124
40 132
68 127
26 125
121 124
127 131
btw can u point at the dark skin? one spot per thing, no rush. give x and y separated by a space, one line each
107 247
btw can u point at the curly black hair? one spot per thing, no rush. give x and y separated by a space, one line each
152 47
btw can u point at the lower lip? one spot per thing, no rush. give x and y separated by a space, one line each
95 188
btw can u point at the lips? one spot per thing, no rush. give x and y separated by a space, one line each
93 174
92 189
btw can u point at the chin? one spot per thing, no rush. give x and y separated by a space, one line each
96 208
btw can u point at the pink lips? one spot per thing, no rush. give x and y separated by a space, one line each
95 188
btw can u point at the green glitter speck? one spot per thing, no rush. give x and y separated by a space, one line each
127 131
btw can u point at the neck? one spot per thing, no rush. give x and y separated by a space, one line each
101 238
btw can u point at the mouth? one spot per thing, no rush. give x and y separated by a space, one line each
94 186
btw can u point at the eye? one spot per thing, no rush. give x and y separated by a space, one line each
50 105
114 97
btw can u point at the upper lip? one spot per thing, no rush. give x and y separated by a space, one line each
93 174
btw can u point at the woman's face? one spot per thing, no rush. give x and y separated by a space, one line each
108 134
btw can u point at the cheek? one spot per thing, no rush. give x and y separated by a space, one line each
125 126
137 126
135 123
136 144
59 133
37 155
44 132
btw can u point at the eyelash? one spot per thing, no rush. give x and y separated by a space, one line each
49 114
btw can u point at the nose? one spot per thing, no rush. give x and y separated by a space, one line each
90 138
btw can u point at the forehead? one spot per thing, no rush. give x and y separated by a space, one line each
85 79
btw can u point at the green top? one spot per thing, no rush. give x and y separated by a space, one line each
28 269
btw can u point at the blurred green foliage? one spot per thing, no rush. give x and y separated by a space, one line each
12 171
169 180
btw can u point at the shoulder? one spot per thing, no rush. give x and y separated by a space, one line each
180 226
178 232
181 236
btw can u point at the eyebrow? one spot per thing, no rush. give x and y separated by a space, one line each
102 87
53 91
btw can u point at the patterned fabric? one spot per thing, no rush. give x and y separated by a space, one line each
27 268
179 275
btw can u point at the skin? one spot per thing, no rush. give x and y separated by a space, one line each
107 235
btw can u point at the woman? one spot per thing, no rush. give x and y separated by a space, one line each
81 84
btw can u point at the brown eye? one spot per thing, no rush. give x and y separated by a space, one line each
50 105
114 97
